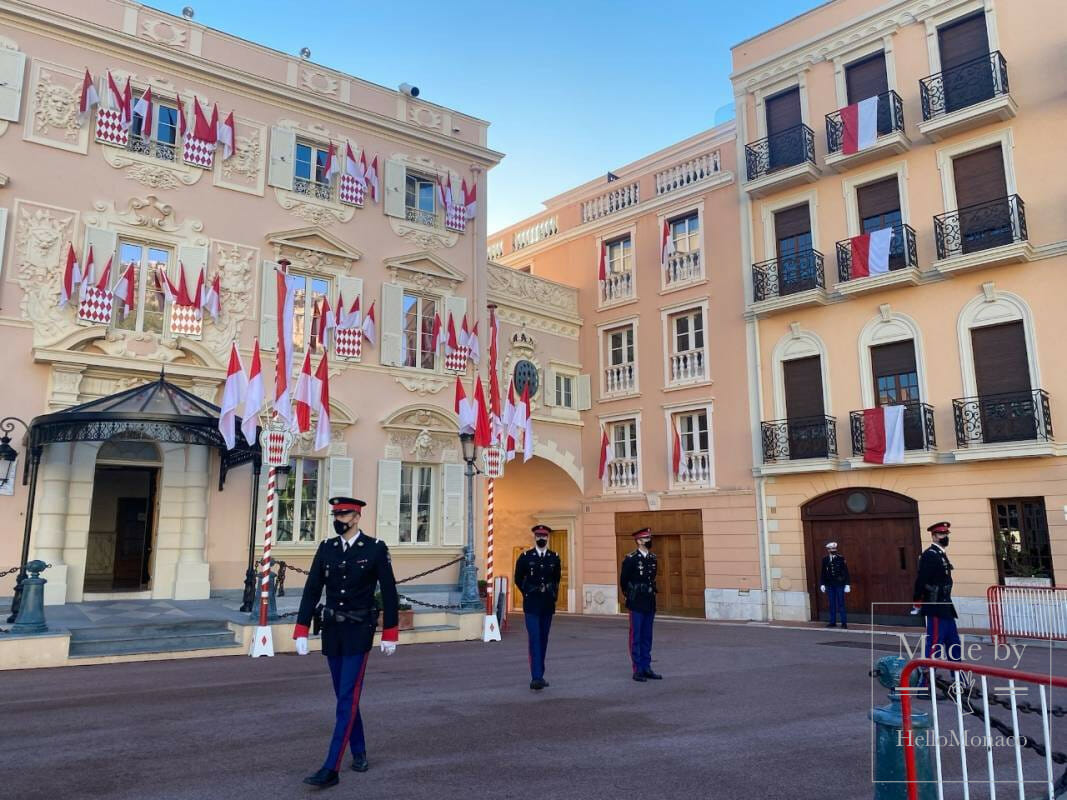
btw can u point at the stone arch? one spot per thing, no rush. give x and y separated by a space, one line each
889 326
566 461
994 307
798 343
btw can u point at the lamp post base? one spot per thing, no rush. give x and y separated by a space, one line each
16 598
468 582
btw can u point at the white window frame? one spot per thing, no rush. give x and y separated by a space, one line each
670 413
624 255
685 217
566 384
615 235
994 307
316 186
310 329
886 328
142 281
760 95
850 189
604 350
846 59
416 211
946 164
667 316
433 534
673 214
768 209
607 421
933 48
295 479
439 302
799 343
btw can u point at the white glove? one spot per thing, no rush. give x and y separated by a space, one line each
914 611
822 589
302 646
388 648
848 589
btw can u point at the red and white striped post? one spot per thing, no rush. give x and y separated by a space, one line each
494 463
275 440
490 608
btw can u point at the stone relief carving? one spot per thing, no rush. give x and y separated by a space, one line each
421 385
421 445
55 107
537 322
245 163
41 234
318 82
424 236
151 172
147 212
234 264
425 117
163 32
517 285
314 213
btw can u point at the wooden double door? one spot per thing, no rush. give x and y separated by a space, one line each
877 533
678 542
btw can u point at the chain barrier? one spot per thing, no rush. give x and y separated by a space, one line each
13 570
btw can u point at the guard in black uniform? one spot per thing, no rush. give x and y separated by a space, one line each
638 582
537 575
933 597
834 583
349 566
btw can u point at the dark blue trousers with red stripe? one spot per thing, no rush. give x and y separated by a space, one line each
941 634
537 628
347 673
641 640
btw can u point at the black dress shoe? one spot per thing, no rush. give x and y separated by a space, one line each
323 778
831 624
359 763
537 684
640 676
653 675
844 625
544 684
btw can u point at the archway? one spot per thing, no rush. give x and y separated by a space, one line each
877 532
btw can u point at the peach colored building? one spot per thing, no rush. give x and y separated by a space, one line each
963 329
144 516
660 350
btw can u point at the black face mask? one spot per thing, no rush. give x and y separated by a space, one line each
541 542
340 527
943 541
647 545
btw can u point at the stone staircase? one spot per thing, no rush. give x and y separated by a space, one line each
161 637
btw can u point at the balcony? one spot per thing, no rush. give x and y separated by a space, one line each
622 475
411 213
982 235
789 281
780 161
146 146
903 264
620 379
611 202
687 173
694 471
800 438
918 430
687 367
616 287
967 96
891 138
682 269
1000 419
324 191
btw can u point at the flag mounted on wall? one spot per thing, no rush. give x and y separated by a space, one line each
860 124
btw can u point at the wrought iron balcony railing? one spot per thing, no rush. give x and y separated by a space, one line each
918 429
802 437
968 84
902 252
890 118
153 148
785 149
787 275
980 227
1006 417
320 191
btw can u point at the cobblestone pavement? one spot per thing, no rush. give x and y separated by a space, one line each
743 711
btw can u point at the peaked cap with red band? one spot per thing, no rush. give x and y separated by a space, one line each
346 504
642 532
540 529
940 527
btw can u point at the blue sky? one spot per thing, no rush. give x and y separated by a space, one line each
572 89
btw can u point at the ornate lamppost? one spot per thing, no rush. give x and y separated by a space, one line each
468 573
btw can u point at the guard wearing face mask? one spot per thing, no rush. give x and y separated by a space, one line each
933 597
537 575
349 566
638 582
834 582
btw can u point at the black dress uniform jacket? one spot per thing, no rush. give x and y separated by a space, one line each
638 581
834 571
538 577
933 584
350 580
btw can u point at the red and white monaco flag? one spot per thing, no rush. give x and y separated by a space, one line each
114 95
202 129
353 318
89 98
254 401
666 247
606 456
860 123
182 125
370 332
354 168
333 165
88 276
527 436
124 290
286 293
870 253
483 433
227 136
372 176
143 109
322 427
474 345
452 342
437 335
105 277
327 323
602 271
465 410
166 285
71 277
679 468
883 435
211 298
470 198
306 394
234 389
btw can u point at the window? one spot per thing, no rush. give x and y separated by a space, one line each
984 209
966 70
621 346
305 316
420 199
564 390
686 233
417 339
807 427
1020 533
896 380
688 331
785 142
416 502
160 142
624 439
693 431
147 259
309 175
298 504
796 264
619 256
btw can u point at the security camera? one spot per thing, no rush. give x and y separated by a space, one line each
188 12
409 90
305 52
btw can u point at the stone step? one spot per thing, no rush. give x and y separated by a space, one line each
114 640
147 630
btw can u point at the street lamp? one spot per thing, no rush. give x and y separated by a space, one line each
8 454
8 459
468 573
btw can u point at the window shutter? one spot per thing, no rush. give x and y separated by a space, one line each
453 532
12 70
584 393
979 177
963 40
387 525
783 111
192 259
3 238
794 221
866 78
268 307
548 387
803 387
395 174
878 199
282 158
1000 360
104 244
391 325
341 477
897 358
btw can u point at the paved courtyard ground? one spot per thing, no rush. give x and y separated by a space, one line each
743 712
